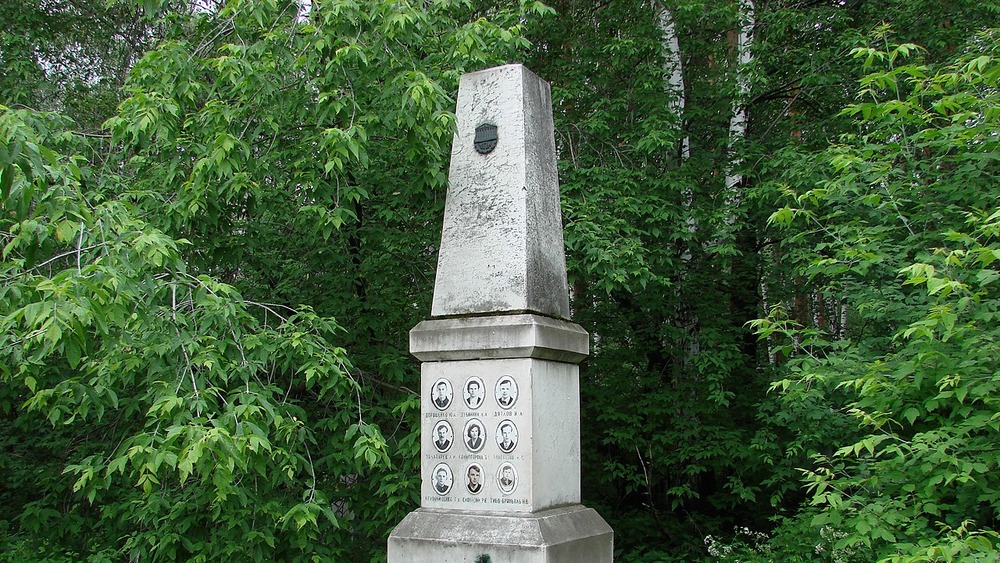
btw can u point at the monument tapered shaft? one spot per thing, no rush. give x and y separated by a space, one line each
502 241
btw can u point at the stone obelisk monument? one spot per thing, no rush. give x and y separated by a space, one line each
500 407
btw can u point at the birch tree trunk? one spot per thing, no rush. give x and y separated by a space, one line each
673 85
673 72
738 120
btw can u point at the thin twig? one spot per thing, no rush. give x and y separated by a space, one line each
79 246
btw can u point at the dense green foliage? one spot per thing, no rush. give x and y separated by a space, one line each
69 56
902 224
670 391
204 308
179 294
107 334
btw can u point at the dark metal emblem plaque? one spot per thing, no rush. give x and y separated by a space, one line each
486 138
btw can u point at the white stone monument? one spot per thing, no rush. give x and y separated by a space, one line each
500 408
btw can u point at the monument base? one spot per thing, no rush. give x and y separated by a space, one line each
569 534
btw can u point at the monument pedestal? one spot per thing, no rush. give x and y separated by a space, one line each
571 534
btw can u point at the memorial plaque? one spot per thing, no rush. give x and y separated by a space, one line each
507 430
489 435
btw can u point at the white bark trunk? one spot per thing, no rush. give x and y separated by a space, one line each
673 86
843 319
766 310
817 309
673 72
738 120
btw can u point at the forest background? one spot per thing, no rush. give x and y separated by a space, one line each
218 222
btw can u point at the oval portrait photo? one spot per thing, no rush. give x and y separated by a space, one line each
474 435
506 392
507 478
442 479
474 478
441 394
474 392
443 436
507 436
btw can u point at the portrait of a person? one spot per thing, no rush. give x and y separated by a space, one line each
475 479
506 392
442 479
474 438
507 436
507 478
474 392
441 394
442 436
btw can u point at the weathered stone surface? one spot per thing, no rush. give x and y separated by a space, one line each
500 406
504 336
502 242
571 534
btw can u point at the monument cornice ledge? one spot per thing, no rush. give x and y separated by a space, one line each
526 335
545 529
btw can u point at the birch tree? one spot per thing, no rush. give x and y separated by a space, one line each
673 72
738 120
